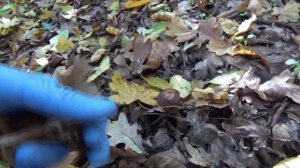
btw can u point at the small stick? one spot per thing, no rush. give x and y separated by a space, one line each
279 112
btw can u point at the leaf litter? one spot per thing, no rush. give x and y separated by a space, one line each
206 86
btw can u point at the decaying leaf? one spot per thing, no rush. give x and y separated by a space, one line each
259 7
170 158
196 157
220 47
122 132
245 128
208 30
227 78
290 12
178 28
210 94
104 66
63 45
75 76
97 55
278 87
182 85
131 92
159 53
228 26
158 82
292 162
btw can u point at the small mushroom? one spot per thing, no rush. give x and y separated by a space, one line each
168 98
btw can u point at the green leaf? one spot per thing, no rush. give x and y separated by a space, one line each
182 85
125 40
6 9
154 32
46 14
61 35
121 132
291 62
103 42
227 78
47 26
7 23
66 8
3 165
157 82
104 66
115 6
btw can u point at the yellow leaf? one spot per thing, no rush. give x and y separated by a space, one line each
293 162
158 82
135 3
131 92
46 14
162 16
241 50
113 30
64 45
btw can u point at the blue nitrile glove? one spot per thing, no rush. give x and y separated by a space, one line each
44 95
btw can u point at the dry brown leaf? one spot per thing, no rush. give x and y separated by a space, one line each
178 28
162 16
139 56
229 26
159 53
196 157
210 94
75 75
237 126
259 7
279 87
220 47
245 25
208 30
290 12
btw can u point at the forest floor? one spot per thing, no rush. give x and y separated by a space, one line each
199 83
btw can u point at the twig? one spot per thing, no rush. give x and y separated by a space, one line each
279 112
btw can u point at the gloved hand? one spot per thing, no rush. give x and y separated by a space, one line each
44 95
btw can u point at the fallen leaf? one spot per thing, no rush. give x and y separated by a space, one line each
196 157
292 162
159 53
249 79
279 87
177 27
104 66
131 92
97 55
75 76
64 34
182 85
208 30
241 50
157 82
113 31
134 3
8 23
227 78
290 12
229 26
154 32
170 158
211 95
63 45
220 47
46 14
115 5
245 25
42 61
122 132
237 126
139 56
162 16
259 7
